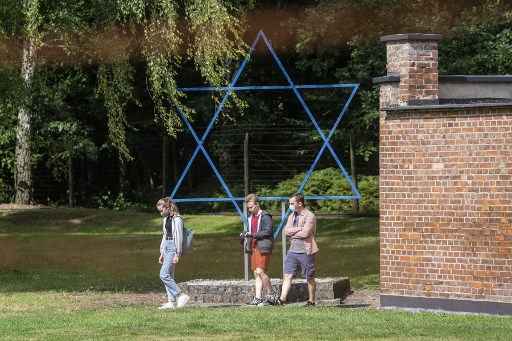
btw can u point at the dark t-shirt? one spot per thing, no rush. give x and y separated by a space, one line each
168 227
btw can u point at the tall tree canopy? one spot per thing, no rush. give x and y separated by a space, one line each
89 85
115 36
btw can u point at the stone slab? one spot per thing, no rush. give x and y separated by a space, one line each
205 291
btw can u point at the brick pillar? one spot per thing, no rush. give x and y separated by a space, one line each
413 57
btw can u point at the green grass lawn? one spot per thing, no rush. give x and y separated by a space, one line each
80 274
84 249
61 316
103 221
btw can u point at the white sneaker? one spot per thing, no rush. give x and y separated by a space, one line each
182 300
168 305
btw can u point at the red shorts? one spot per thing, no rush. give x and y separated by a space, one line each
259 260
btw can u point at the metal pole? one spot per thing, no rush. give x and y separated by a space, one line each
246 255
283 236
246 164
355 202
246 191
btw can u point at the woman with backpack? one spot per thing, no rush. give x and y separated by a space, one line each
170 252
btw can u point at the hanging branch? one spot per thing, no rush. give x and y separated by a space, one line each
115 85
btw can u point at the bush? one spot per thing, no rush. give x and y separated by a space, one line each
6 192
328 181
369 189
108 200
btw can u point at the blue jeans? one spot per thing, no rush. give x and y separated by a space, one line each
167 271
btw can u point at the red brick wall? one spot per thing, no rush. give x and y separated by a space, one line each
416 63
446 203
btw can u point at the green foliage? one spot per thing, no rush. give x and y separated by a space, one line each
356 60
482 49
502 51
163 88
155 44
61 133
214 45
73 30
328 181
132 10
364 123
67 140
10 17
368 186
33 19
111 201
6 191
10 87
115 85
161 50
216 38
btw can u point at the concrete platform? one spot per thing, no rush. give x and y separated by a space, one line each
204 291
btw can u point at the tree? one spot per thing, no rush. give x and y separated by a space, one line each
339 40
146 29
9 87
27 25
67 141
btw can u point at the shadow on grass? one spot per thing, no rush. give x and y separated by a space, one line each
78 220
97 221
349 227
128 261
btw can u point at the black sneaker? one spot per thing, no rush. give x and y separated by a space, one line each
255 301
271 299
310 304
264 303
279 302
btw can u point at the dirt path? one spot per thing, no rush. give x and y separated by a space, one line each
363 298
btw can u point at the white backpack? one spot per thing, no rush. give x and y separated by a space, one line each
186 244
188 236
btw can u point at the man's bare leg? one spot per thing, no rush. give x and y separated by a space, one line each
312 289
258 284
287 283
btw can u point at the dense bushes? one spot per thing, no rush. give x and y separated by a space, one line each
329 181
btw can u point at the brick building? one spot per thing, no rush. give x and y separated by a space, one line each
445 183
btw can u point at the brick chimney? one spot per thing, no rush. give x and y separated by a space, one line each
413 57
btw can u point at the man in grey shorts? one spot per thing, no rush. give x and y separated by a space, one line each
300 229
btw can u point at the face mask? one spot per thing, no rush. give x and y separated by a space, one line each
292 208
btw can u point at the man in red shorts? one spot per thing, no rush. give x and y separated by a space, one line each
261 237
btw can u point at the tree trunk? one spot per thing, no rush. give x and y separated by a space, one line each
23 173
355 202
71 193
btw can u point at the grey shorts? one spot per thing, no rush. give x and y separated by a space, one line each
295 260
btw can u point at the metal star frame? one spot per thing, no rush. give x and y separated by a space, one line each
200 140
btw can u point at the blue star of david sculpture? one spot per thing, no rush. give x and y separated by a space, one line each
200 140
